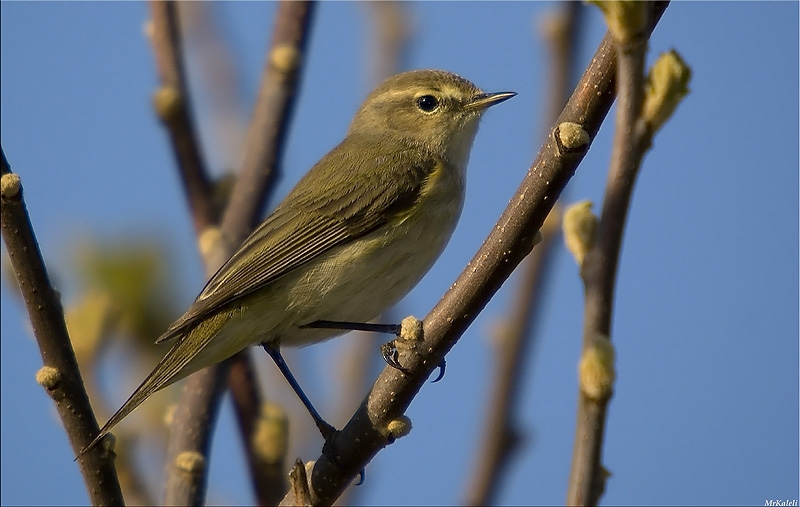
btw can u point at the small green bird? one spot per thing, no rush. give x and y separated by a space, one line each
349 241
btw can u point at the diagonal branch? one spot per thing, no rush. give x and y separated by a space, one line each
268 128
369 430
60 375
515 337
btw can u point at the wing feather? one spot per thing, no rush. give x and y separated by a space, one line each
334 212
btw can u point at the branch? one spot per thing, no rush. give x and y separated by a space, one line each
200 400
501 436
634 130
369 430
299 493
390 37
587 477
60 375
186 468
264 432
190 437
600 268
171 102
268 128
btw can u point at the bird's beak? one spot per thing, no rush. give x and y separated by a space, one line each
485 100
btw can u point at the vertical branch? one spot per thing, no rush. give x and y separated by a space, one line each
190 436
391 33
188 484
59 375
171 102
215 68
599 269
501 435
191 431
262 427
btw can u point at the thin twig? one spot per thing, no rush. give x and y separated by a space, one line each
264 147
299 492
60 375
502 435
509 242
391 34
213 59
267 476
186 469
172 103
599 270
200 400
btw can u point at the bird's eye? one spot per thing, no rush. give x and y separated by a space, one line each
427 103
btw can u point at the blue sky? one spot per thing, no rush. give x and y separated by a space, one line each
706 325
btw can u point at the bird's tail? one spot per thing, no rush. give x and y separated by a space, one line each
168 371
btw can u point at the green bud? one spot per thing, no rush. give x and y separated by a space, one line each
596 370
579 227
667 85
626 19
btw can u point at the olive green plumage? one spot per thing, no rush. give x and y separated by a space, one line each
356 233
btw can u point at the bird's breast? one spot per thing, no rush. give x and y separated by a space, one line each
360 280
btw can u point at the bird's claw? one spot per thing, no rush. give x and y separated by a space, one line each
391 355
441 367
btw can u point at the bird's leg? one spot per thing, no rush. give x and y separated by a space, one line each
355 326
328 432
408 333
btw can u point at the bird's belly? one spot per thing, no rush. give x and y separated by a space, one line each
354 282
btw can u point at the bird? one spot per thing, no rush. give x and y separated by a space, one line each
350 240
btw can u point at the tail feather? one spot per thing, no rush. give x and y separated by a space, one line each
168 371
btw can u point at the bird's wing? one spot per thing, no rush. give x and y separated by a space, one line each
335 208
